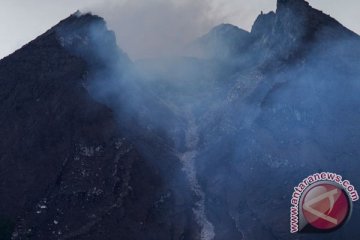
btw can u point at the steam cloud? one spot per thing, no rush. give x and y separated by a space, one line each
158 28
270 110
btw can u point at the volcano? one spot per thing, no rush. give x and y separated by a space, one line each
98 146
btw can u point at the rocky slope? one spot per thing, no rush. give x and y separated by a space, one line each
96 146
293 113
71 168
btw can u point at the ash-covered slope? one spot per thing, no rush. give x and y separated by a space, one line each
98 147
266 109
293 113
70 167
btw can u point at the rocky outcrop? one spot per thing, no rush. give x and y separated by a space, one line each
291 32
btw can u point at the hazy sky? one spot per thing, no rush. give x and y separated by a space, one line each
146 28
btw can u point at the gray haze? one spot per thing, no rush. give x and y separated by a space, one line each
176 22
282 121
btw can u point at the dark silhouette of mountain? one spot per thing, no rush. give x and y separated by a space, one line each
295 28
95 146
290 114
224 41
69 167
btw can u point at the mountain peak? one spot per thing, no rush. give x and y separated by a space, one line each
224 41
290 31
292 3
298 8
280 2
80 17
87 36
226 27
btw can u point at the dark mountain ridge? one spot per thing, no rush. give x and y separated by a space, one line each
94 147
287 116
69 163
285 35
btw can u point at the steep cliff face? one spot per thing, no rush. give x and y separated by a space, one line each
294 29
290 114
70 169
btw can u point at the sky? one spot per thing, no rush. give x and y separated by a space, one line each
148 28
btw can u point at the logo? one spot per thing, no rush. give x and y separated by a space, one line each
325 207
321 203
